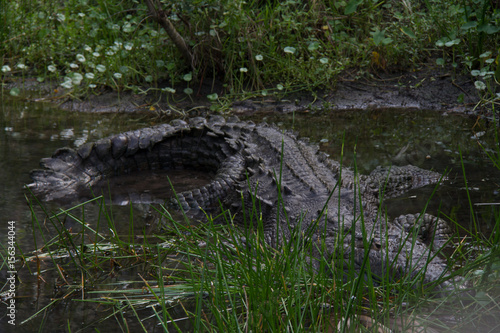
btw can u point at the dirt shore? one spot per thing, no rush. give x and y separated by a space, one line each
425 89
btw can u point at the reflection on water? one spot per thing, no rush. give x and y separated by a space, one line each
29 132
364 139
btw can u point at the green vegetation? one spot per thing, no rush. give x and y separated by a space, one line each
257 46
204 275
206 278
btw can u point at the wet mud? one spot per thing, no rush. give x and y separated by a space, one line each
428 88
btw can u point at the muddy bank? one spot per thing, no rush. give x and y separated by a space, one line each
425 89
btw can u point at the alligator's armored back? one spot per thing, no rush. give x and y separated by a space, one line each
261 163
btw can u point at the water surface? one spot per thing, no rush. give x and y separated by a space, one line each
448 143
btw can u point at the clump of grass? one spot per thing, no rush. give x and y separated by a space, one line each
218 276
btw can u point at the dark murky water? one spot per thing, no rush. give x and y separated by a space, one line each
428 139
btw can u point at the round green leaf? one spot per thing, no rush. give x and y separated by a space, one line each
488 28
213 97
452 42
485 54
469 25
352 6
313 46
15 92
408 32
168 89
480 85
440 43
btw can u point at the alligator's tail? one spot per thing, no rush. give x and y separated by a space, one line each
212 145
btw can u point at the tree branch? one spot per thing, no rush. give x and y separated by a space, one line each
159 16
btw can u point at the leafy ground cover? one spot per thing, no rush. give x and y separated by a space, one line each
242 48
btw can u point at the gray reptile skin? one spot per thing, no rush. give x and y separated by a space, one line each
252 163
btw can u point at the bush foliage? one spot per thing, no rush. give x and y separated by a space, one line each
247 45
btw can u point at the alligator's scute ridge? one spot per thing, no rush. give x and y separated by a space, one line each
254 162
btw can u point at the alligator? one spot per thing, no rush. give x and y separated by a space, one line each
298 190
